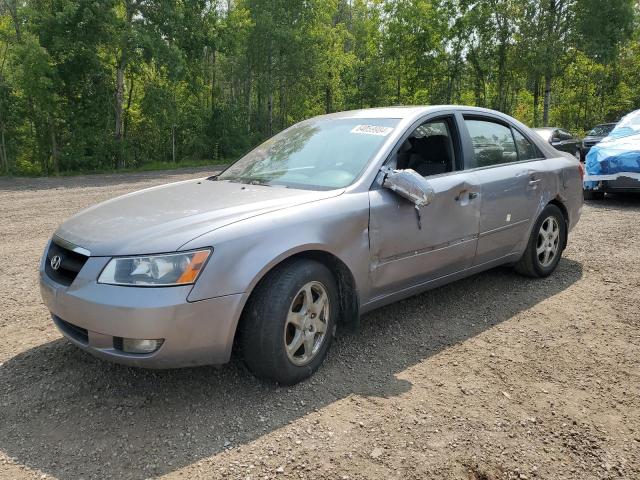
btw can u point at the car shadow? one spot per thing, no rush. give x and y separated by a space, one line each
69 415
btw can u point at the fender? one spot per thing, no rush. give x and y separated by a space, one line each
244 252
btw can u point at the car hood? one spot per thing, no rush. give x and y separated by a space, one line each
163 218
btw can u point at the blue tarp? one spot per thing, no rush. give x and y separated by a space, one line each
617 155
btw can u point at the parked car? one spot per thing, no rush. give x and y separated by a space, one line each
595 135
613 165
561 140
331 218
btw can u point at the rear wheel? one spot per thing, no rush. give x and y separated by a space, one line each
289 322
546 243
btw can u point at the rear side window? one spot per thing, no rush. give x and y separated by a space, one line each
526 150
493 143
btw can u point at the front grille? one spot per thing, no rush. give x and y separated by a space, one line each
77 333
70 264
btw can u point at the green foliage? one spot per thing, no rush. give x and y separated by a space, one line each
91 85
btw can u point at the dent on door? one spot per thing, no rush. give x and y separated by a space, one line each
405 253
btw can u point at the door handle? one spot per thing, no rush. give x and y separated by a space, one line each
534 181
470 195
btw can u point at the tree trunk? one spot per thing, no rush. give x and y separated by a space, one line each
3 150
173 143
536 101
270 113
499 103
282 96
479 85
13 13
270 93
213 80
121 66
54 147
118 131
248 101
328 95
127 109
547 99
453 77
4 157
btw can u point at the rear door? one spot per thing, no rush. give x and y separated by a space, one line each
410 247
507 169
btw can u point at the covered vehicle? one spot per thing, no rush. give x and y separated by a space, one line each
595 136
613 165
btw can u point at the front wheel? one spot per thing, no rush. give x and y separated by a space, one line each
546 243
289 322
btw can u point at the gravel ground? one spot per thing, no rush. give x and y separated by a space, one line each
492 377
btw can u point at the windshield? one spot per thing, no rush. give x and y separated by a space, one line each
601 130
629 125
316 154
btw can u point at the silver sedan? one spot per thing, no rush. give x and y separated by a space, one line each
331 218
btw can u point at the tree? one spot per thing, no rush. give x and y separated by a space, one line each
88 84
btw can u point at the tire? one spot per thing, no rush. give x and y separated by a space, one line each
545 245
593 195
279 316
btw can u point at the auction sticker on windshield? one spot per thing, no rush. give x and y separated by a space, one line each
372 130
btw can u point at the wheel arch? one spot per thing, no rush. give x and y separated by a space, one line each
345 279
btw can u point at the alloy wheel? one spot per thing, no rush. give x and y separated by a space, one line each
306 327
548 241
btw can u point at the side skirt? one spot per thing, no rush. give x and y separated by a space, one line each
382 300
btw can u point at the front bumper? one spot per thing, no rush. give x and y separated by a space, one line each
194 333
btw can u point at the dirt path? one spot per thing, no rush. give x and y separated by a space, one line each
492 377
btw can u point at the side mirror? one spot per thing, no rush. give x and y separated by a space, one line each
410 185
555 140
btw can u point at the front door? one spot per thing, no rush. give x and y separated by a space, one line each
407 248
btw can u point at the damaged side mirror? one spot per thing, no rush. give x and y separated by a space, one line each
410 185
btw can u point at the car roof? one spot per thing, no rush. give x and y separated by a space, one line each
406 112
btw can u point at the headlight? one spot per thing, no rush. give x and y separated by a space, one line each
155 270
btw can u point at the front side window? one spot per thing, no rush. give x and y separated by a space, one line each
429 150
493 143
318 154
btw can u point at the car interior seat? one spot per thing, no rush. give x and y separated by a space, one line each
404 152
431 155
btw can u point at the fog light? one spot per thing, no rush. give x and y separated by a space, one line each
132 345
